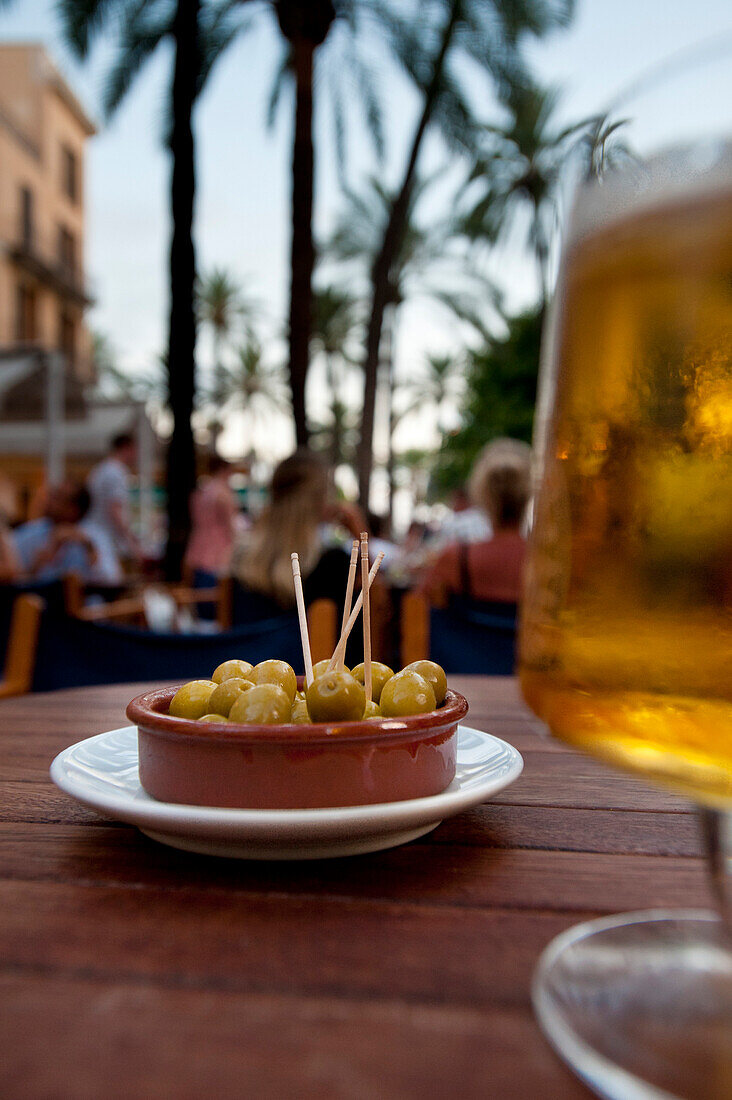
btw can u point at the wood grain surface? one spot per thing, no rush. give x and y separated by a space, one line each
128 969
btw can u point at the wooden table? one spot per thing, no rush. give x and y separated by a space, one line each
128 969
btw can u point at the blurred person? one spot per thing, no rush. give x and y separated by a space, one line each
9 564
293 521
490 570
380 543
467 522
411 555
109 489
61 542
214 514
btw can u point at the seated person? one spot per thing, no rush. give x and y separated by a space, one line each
380 541
214 513
9 566
293 521
490 570
467 522
60 542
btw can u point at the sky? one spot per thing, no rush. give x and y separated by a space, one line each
243 170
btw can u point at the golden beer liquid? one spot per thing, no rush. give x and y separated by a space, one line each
626 641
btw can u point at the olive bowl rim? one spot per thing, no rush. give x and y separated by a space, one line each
143 713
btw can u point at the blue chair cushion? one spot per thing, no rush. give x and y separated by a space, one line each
472 636
73 653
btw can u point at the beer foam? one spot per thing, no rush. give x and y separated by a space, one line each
687 173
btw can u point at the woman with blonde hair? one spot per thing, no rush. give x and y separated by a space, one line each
293 522
491 570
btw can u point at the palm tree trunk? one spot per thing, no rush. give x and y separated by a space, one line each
388 358
380 272
302 255
218 389
335 445
181 459
218 386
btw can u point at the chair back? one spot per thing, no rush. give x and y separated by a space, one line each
51 593
21 645
73 652
468 636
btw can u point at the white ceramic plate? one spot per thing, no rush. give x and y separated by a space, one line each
102 774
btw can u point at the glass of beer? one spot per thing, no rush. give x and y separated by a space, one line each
626 639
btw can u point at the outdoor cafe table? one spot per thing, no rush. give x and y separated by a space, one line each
129 969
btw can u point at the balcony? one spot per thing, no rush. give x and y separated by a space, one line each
45 265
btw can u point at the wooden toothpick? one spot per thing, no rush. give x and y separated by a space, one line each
340 649
303 619
349 588
366 615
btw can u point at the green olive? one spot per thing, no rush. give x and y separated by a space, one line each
406 693
379 675
191 700
276 672
265 704
371 710
322 666
213 718
299 713
230 669
226 694
434 674
336 697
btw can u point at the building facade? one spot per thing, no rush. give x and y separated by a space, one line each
43 131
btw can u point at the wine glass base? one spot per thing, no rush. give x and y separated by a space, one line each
640 1004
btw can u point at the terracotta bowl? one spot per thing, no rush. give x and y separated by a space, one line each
294 767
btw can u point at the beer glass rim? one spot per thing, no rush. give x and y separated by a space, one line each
674 176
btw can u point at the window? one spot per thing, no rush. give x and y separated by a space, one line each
67 252
69 173
26 217
67 335
25 313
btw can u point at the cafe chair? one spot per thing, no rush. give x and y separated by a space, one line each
465 637
50 593
21 646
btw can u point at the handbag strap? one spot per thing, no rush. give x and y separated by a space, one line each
465 586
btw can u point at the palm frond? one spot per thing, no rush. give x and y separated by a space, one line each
454 115
468 311
219 25
370 104
82 20
142 31
283 74
339 128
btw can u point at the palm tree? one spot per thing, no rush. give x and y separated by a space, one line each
199 31
425 266
113 381
518 171
489 33
305 27
439 386
220 305
252 386
602 147
337 435
335 322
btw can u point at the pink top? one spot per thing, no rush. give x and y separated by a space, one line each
213 509
495 569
